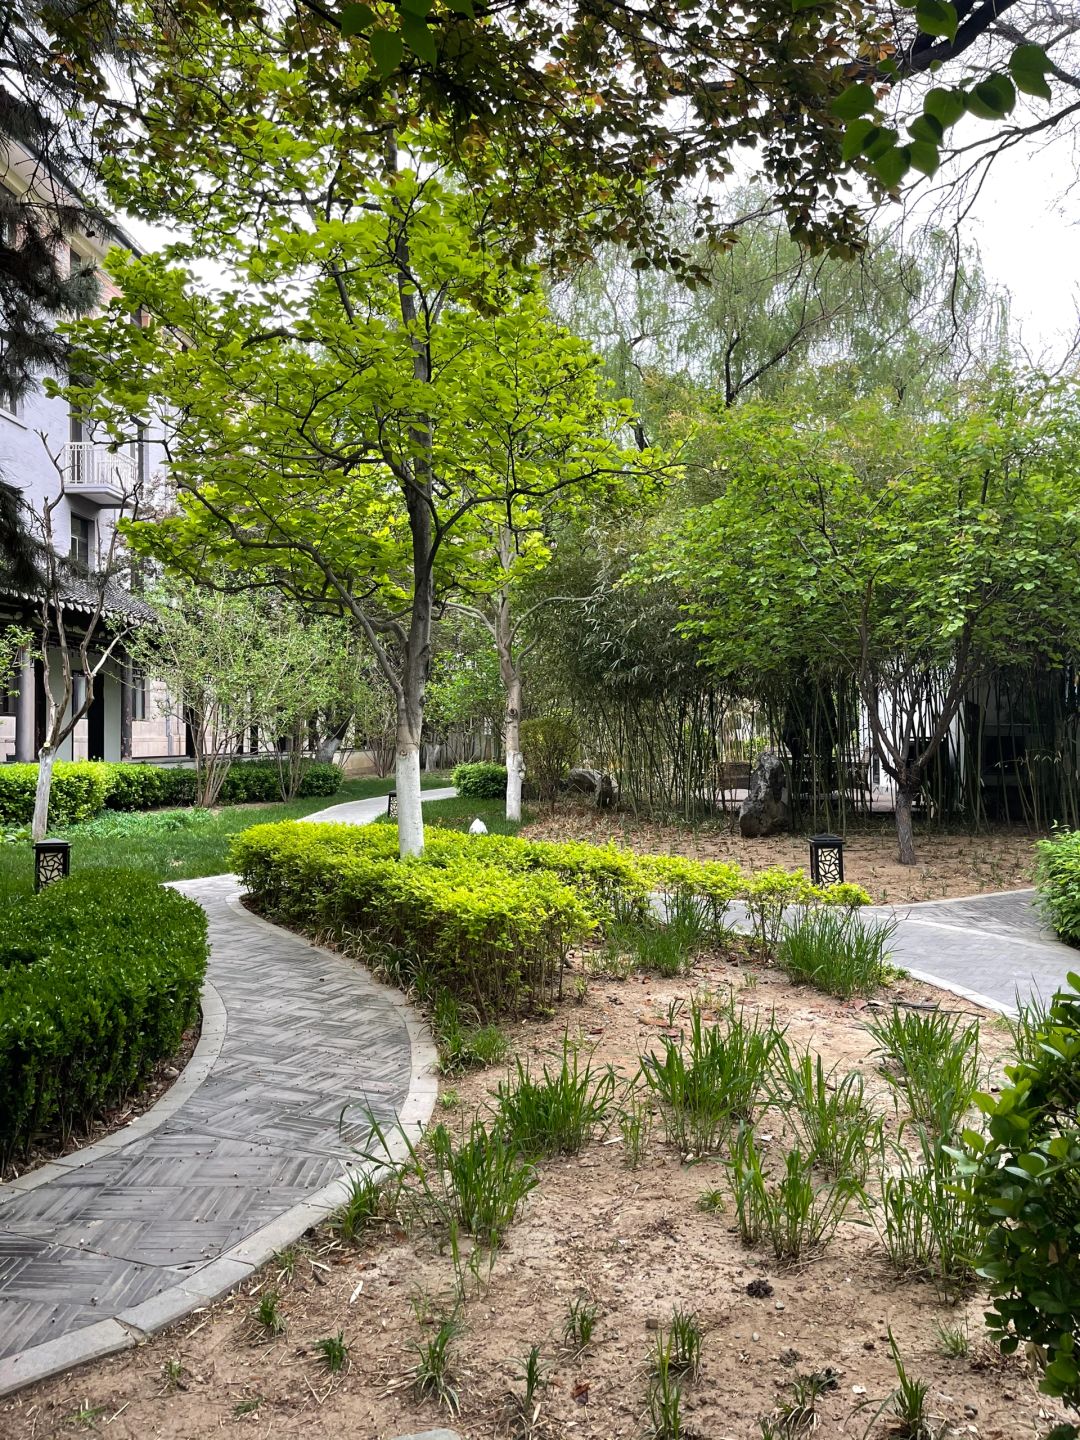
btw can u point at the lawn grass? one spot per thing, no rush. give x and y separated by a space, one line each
175 845
458 814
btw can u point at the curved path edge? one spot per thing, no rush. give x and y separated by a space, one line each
202 1286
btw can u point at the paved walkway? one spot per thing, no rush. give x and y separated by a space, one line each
989 948
242 1155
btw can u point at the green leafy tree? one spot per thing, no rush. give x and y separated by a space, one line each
909 558
338 419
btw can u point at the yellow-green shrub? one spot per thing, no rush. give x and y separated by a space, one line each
494 936
78 792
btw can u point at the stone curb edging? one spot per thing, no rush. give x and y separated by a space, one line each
198 1288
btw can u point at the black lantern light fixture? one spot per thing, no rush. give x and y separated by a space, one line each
826 860
52 861
391 803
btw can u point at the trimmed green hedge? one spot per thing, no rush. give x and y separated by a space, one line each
495 937
78 792
100 976
1057 877
488 917
81 790
482 781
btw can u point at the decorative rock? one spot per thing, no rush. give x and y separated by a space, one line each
765 809
476 828
592 782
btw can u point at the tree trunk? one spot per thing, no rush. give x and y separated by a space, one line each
905 796
410 809
40 824
331 742
515 762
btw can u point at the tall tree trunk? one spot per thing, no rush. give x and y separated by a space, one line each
511 679
905 835
40 824
410 808
515 761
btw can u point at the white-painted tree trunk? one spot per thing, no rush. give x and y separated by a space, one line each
410 812
40 825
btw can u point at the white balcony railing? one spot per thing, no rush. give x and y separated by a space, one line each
98 472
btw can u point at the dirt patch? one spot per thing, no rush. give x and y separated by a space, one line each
949 864
163 1076
635 1242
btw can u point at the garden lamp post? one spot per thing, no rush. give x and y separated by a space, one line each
826 860
52 861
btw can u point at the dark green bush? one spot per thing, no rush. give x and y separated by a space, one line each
100 976
78 791
1058 879
1024 1181
480 782
140 787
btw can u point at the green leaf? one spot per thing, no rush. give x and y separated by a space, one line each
927 129
893 165
924 156
387 47
944 106
356 19
1028 65
855 137
422 8
936 17
462 7
992 98
856 100
419 38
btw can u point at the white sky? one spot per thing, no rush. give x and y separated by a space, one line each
1026 224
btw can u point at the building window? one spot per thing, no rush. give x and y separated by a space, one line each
82 540
138 695
78 693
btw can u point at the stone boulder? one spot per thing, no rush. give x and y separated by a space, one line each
765 809
583 781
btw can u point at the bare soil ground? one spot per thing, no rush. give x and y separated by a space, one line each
949 864
633 1241
163 1076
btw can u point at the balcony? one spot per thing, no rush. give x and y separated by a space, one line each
98 473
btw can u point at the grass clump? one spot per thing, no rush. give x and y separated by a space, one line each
371 1196
432 1374
266 1315
834 1121
333 1352
482 1180
559 1112
635 1128
792 1214
464 1044
932 1061
580 1323
833 950
927 1228
713 1078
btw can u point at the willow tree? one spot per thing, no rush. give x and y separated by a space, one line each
912 558
346 413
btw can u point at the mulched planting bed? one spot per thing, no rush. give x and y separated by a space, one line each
949 864
633 1242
